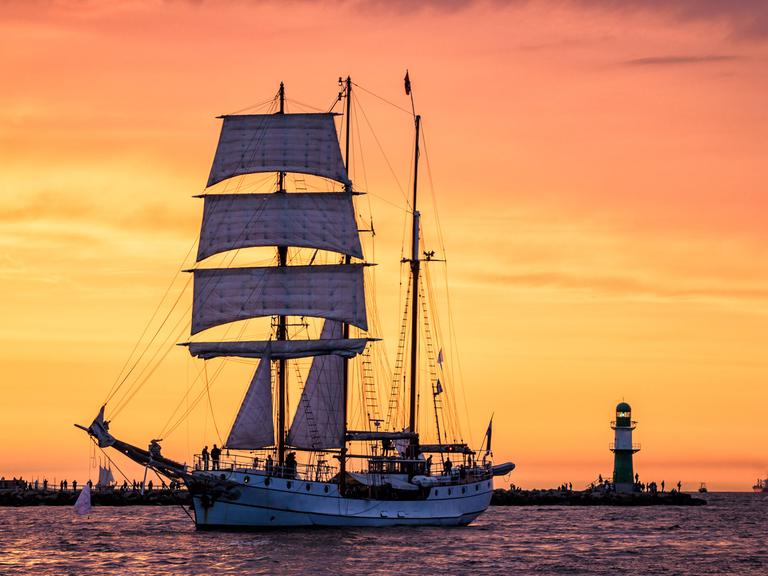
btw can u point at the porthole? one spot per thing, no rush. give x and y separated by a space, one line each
477 487
449 491
266 482
309 487
223 476
437 491
246 479
325 489
463 489
489 485
288 484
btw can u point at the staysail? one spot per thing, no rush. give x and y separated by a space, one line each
253 427
324 220
223 295
304 143
318 422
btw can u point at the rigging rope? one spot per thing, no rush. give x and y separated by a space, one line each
210 404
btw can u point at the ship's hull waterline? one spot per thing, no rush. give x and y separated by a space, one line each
258 502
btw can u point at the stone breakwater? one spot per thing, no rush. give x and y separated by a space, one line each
501 497
161 497
516 497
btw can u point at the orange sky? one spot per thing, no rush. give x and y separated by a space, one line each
600 172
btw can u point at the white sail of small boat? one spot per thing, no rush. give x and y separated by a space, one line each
106 478
83 502
310 467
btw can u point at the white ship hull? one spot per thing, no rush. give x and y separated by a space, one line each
264 502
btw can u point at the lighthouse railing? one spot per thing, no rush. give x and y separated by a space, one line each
635 446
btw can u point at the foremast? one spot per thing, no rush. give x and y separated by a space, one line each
284 143
345 326
282 332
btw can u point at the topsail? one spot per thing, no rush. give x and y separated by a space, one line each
324 220
304 143
223 295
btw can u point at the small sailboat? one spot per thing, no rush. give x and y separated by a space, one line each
106 478
83 502
281 473
703 488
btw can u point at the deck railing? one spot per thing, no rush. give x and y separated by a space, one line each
262 464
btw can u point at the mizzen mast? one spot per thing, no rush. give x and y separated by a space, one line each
415 266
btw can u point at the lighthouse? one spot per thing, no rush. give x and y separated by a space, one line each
623 449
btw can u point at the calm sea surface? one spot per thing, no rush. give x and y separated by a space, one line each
726 537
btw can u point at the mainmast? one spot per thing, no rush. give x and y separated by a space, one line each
282 260
345 328
415 264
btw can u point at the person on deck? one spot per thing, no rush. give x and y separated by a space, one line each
215 455
428 466
269 465
206 457
290 465
447 465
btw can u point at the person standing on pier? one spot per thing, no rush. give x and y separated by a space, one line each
205 456
215 455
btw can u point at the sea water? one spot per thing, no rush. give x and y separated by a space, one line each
728 536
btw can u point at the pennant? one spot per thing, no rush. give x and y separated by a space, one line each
438 388
440 358
488 434
407 84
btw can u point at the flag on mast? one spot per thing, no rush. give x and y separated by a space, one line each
440 358
488 434
407 84
438 388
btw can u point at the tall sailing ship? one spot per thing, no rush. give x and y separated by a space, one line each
315 471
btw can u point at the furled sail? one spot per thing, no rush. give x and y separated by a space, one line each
305 143
279 349
253 427
318 422
311 220
223 295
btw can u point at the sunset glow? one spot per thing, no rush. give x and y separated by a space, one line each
599 173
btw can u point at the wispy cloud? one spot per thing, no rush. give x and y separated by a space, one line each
65 209
677 60
622 286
